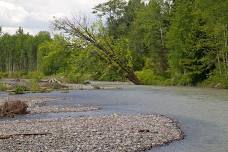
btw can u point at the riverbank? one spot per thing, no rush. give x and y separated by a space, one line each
22 86
43 104
122 133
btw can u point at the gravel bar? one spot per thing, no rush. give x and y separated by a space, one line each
116 133
57 109
37 105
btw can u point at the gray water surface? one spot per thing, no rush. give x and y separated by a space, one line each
202 113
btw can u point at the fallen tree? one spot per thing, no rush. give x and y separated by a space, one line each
84 36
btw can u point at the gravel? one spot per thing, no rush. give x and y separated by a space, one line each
57 109
38 105
116 133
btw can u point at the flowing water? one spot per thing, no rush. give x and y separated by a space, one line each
202 113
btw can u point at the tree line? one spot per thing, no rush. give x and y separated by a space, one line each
19 51
165 42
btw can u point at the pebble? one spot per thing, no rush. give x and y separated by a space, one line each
122 133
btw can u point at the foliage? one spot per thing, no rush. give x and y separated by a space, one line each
169 42
193 45
34 86
52 56
20 89
148 77
2 87
147 37
82 68
34 75
19 51
3 75
106 47
215 81
112 10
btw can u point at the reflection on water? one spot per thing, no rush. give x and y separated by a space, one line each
202 113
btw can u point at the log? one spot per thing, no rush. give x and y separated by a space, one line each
24 134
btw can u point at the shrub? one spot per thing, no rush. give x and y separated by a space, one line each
216 81
2 87
34 86
77 77
20 89
18 74
148 77
34 75
3 75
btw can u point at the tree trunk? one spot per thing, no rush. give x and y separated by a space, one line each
225 54
219 65
225 50
133 78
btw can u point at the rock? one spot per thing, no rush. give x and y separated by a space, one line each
86 82
143 130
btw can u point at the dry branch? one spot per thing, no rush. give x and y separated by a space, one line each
24 134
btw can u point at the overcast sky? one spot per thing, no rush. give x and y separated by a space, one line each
35 15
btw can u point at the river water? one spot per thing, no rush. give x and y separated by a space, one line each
202 113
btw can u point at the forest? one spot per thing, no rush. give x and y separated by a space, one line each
155 42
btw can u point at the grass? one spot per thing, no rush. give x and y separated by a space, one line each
35 87
20 90
216 81
3 87
148 77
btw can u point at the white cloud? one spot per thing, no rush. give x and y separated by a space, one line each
12 30
36 15
12 13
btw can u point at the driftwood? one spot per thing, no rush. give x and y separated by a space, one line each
52 83
24 134
11 108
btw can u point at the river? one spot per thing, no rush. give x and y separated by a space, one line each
202 113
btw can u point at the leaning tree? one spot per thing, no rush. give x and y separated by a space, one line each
82 34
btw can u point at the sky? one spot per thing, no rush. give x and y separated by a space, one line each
36 15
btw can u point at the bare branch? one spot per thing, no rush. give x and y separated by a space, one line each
80 29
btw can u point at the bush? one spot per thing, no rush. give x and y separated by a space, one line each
18 74
148 77
34 86
181 80
2 87
35 75
3 75
77 77
216 81
20 90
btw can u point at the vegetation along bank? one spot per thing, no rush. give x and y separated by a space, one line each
168 42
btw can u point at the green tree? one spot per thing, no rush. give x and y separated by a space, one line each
192 49
112 10
19 51
53 56
147 36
